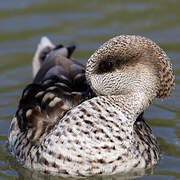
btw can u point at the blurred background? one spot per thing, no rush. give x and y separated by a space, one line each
87 24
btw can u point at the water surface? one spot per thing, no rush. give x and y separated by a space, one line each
87 24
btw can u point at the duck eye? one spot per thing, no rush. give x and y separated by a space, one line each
105 66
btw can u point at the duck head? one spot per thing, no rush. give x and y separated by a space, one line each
129 64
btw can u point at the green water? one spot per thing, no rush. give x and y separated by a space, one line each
87 24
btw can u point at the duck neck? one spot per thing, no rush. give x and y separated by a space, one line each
131 105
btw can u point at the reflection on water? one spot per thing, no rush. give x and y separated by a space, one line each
87 24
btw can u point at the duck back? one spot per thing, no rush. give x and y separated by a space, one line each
59 86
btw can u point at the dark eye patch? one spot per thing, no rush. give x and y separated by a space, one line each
105 66
110 65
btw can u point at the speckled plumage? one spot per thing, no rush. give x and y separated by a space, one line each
61 127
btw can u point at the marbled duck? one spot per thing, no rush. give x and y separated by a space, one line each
62 127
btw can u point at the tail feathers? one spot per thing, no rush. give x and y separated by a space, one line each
45 45
45 42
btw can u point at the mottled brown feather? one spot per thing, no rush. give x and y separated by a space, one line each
59 85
